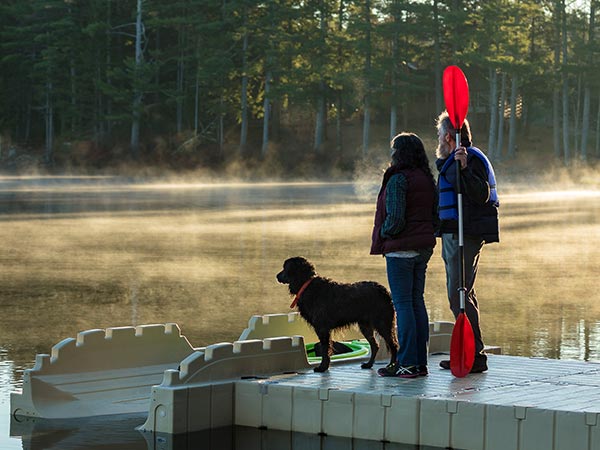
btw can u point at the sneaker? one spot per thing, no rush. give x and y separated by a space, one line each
478 366
408 371
389 370
396 370
423 372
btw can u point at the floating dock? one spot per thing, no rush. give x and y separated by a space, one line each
266 382
520 403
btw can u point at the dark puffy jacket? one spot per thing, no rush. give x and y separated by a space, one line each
418 232
480 201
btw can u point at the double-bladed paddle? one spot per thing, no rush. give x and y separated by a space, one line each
462 345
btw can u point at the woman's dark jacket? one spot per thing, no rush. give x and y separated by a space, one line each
418 232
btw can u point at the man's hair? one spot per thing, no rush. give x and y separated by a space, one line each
444 125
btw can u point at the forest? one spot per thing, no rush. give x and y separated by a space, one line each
288 86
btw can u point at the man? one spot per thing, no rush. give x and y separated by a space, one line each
480 220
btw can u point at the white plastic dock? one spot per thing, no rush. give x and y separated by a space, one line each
520 403
266 382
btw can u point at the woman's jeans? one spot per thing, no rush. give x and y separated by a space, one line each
406 277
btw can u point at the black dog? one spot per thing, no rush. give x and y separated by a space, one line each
327 305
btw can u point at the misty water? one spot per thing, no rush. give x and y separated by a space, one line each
96 252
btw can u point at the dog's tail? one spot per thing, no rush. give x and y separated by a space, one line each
387 328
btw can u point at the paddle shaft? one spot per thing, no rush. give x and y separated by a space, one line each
461 244
462 344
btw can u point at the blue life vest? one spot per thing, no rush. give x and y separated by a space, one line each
448 205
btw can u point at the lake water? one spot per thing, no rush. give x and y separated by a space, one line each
83 253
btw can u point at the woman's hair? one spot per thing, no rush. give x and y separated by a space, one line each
444 125
408 152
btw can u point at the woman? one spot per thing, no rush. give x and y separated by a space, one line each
404 234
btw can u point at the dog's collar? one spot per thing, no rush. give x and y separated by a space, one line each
304 286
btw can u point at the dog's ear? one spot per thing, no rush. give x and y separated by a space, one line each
301 267
296 271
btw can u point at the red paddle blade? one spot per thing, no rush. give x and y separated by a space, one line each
462 347
456 95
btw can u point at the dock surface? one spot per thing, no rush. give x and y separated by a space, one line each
265 381
520 403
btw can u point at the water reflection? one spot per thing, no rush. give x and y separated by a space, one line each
580 340
83 253
39 198
111 434
97 433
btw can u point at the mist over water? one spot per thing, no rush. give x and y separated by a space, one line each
83 253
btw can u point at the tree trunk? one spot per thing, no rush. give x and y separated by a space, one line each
556 122
267 111
598 130
137 94
585 126
321 115
493 113
565 84
49 123
366 126
576 129
338 123
512 124
394 76
524 94
320 119
500 143
367 112
565 119
105 101
180 79
339 99
99 124
393 121
197 101
28 110
109 102
555 92
74 116
275 115
437 59
524 116
244 94
221 130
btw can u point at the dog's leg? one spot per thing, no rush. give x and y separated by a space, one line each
367 331
325 340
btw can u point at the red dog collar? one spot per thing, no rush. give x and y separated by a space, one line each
304 286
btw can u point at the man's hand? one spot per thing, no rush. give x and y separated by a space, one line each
461 156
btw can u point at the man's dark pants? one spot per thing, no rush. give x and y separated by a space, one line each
472 251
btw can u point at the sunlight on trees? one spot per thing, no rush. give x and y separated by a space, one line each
92 83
